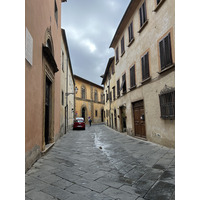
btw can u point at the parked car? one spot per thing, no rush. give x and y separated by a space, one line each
79 123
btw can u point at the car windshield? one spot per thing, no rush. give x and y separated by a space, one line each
79 120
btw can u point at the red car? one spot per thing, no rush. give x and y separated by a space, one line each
79 123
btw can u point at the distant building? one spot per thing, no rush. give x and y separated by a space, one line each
42 76
144 78
67 87
89 100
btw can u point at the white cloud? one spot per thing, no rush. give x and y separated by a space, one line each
89 44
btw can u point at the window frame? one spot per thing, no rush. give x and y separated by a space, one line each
165 52
132 77
118 88
124 88
143 14
145 69
113 93
130 32
83 92
122 46
117 55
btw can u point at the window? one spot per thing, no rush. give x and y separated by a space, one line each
102 97
96 113
167 104
113 68
118 89
95 96
123 86
117 55
56 12
63 61
130 32
145 66
106 96
113 93
143 14
122 45
62 98
158 1
110 96
132 76
165 52
83 92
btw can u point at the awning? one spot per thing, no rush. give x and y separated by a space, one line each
50 59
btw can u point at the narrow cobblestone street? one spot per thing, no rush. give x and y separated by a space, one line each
102 164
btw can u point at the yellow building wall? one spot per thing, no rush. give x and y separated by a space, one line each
88 103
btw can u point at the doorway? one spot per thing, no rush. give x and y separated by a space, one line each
139 119
115 116
123 118
83 111
47 110
102 115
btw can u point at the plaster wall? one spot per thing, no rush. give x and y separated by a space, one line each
159 24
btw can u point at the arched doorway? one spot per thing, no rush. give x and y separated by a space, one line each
83 112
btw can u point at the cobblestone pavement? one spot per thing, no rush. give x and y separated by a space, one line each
102 164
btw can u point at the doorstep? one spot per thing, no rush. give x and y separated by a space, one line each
47 147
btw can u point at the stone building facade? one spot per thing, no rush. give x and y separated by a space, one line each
144 45
89 100
67 89
42 76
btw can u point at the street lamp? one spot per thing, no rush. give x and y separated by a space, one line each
76 90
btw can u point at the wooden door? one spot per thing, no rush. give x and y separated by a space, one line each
139 119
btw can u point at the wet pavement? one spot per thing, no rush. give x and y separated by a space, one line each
102 164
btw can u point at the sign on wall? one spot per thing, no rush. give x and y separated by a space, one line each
29 47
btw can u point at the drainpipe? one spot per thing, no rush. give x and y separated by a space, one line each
66 107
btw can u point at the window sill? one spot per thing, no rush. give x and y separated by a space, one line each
122 53
158 6
146 80
123 93
142 27
166 69
132 88
131 42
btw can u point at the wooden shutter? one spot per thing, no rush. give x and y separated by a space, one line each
145 66
122 45
141 21
132 76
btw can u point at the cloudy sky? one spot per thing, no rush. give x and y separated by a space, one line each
90 26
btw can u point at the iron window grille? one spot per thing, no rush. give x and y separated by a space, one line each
132 76
143 14
145 66
165 52
167 103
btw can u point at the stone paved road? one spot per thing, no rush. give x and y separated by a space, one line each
102 164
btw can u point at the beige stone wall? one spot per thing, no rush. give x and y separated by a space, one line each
159 24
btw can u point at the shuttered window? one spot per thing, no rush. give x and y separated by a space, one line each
122 45
167 105
145 66
143 14
116 55
124 83
113 93
118 89
130 32
165 52
132 76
